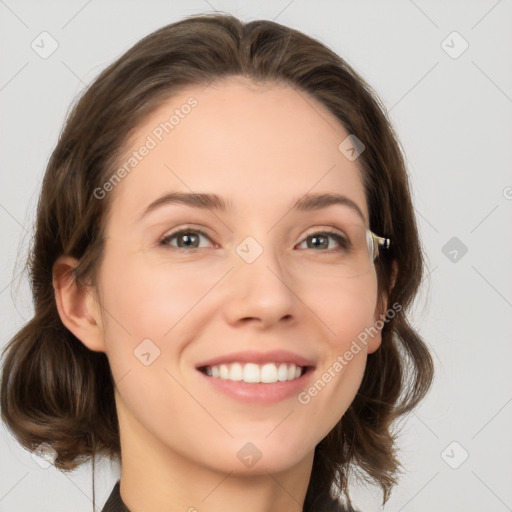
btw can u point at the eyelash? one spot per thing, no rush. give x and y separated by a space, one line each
344 243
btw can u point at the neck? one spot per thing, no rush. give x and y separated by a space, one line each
156 478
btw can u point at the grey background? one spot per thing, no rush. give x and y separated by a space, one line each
453 117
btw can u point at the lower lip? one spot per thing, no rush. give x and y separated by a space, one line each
262 393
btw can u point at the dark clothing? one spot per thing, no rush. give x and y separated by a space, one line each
115 503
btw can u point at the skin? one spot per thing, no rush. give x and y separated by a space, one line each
260 147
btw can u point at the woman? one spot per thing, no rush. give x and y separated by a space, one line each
224 255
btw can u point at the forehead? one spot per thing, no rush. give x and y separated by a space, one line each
257 145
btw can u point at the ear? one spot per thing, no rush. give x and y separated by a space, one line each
380 316
77 304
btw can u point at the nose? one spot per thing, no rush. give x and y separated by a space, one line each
261 292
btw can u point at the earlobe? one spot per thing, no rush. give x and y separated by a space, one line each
77 305
381 313
375 337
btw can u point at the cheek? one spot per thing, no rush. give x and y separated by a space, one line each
151 307
148 297
145 306
347 309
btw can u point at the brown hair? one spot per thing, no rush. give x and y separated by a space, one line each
54 389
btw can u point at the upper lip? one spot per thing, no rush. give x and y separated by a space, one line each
253 356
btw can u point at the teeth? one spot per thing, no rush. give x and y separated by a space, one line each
223 371
282 372
251 373
236 372
267 373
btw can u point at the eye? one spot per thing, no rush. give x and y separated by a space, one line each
190 239
320 240
185 239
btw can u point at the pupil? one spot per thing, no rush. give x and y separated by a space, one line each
315 240
187 239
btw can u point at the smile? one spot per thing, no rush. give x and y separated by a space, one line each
255 377
254 373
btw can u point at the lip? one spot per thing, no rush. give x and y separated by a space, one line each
253 356
259 393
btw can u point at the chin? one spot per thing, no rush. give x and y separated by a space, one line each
252 455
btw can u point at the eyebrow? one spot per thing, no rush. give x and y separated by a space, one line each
308 202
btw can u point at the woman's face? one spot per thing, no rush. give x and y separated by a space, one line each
245 291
